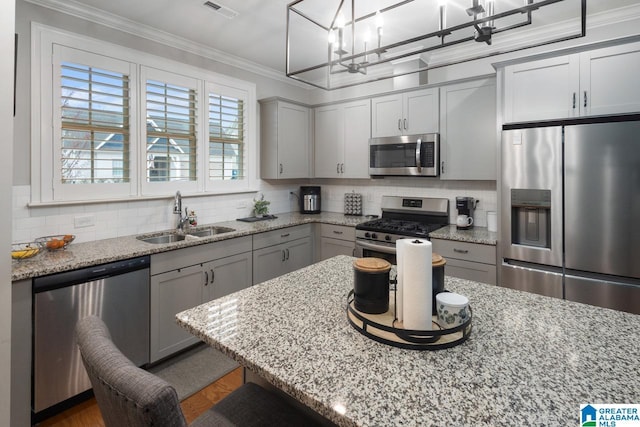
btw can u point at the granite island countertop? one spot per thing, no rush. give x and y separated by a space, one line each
79 255
530 359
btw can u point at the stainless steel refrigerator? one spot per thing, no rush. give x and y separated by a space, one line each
570 209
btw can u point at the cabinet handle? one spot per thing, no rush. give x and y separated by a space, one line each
399 124
283 255
213 276
337 232
442 167
287 254
337 167
281 168
341 167
353 252
206 278
585 98
285 235
574 100
461 251
405 124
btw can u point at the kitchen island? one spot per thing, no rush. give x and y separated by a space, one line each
530 359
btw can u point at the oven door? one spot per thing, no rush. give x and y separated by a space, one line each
365 248
416 155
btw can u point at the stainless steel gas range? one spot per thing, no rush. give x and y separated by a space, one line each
402 217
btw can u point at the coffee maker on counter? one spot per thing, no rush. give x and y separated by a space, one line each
310 200
465 207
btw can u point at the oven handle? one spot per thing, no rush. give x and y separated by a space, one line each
418 147
380 248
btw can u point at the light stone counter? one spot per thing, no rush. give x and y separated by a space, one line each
475 235
78 255
530 359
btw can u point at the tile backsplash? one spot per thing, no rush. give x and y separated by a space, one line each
106 220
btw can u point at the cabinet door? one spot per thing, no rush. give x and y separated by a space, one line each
357 131
541 90
268 263
298 254
333 247
468 131
293 140
420 112
328 141
227 275
609 80
386 115
171 293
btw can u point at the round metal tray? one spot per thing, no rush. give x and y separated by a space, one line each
386 329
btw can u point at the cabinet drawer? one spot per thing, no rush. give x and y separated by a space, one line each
465 251
181 258
338 232
281 235
474 271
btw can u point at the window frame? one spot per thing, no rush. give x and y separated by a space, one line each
225 90
45 121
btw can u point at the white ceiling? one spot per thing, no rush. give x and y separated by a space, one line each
257 34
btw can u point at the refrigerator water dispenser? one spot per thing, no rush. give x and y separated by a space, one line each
531 217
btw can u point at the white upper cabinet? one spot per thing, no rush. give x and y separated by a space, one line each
406 113
596 82
609 80
341 140
468 130
285 140
541 90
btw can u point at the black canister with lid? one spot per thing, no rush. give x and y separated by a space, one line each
371 285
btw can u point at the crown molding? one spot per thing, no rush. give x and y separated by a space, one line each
116 22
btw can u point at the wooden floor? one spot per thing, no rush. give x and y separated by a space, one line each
87 413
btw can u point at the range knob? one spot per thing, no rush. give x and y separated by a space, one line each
367 234
387 237
374 236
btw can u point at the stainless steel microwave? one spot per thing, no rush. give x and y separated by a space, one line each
413 155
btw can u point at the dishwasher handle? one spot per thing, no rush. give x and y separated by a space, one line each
87 274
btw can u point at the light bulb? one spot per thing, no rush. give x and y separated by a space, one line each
367 36
340 20
442 2
331 37
379 20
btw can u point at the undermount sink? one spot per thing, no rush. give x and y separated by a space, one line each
210 231
173 236
163 238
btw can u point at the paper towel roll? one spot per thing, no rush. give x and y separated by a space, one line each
417 287
399 279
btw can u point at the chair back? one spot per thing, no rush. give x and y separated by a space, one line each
126 395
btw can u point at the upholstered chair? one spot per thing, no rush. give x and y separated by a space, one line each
130 396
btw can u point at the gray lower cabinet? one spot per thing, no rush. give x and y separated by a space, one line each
281 251
471 261
336 240
188 277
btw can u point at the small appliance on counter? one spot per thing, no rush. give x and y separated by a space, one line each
352 204
310 200
465 207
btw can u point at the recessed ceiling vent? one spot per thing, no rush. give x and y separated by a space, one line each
222 10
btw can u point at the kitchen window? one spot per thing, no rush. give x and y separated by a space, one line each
227 148
126 124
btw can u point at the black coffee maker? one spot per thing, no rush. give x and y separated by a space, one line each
310 201
465 207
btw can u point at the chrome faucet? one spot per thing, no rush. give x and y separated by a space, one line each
177 204
177 209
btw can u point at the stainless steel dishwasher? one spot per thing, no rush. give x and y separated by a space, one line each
117 292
